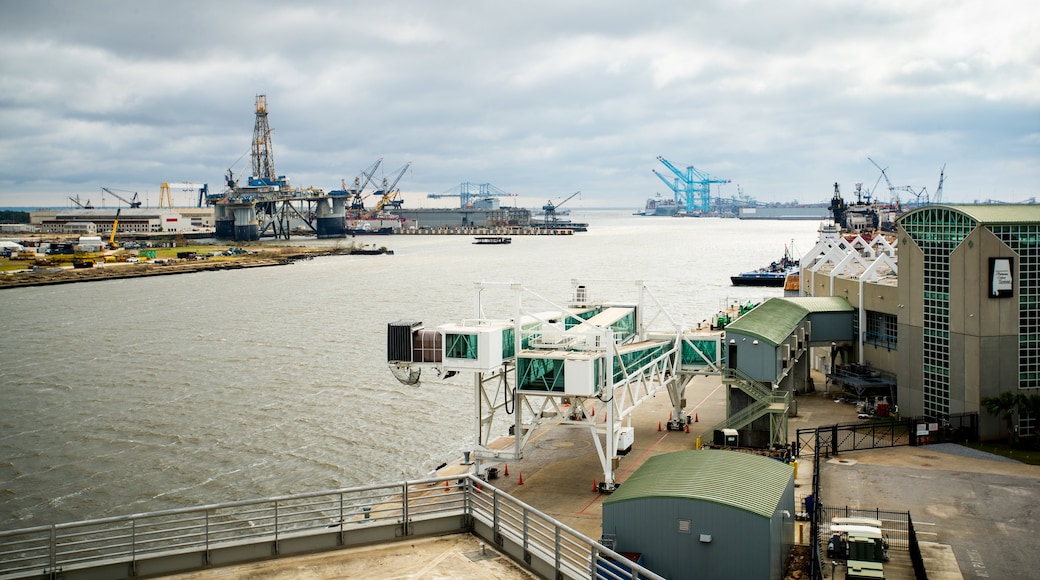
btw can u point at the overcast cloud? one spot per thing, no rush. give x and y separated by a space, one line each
538 98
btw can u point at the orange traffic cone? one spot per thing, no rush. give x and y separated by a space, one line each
446 488
594 411
521 482
658 425
687 427
507 469
696 418
594 488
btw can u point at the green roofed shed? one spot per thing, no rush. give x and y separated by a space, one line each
724 514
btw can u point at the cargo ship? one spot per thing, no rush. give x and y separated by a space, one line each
659 206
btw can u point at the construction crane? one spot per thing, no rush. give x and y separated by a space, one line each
549 209
464 192
133 203
692 188
388 193
115 226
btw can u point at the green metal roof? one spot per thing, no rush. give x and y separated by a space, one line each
775 319
990 213
744 481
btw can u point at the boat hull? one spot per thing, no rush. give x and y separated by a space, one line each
743 280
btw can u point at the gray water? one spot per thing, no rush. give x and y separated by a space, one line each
126 396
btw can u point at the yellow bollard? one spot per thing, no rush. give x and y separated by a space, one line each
698 444
795 464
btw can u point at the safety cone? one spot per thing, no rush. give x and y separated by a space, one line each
507 470
696 418
594 488
521 481
446 488
658 425
594 411
687 427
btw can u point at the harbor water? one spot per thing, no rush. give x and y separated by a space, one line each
143 394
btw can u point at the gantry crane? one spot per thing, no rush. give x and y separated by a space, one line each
133 203
464 192
692 188
549 209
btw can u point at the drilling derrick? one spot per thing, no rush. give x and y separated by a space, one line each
263 153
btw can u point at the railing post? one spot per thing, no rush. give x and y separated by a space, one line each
205 555
404 510
133 547
556 553
276 549
495 520
54 550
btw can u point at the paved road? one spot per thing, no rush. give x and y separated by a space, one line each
986 510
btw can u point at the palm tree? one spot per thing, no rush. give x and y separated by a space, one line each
1004 405
1031 404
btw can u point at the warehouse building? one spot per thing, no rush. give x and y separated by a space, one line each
705 514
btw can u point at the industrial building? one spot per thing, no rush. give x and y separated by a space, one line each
131 220
955 320
705 514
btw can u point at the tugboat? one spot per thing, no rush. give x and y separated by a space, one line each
772 275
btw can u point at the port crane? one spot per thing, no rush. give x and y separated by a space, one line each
165 197
692 188
81 205
549 209
464 191
920 196
134 203
388 193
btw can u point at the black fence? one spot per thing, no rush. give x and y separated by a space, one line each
834 439
876 434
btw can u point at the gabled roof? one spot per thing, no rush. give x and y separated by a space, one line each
744 481
775 319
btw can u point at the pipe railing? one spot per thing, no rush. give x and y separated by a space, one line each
533 539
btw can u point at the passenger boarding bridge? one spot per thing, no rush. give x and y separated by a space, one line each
586 364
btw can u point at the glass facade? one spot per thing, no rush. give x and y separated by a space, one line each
937 231
1023 239
882 330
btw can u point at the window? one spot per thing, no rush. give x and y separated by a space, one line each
882 330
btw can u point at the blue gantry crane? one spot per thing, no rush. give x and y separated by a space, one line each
692 188
467 192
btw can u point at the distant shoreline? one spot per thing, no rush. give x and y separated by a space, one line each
49 277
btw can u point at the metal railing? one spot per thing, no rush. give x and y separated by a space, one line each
178 540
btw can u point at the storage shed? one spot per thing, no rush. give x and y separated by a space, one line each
706 514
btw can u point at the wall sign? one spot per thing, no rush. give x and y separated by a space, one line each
1001 282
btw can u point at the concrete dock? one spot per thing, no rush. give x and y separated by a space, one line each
560 470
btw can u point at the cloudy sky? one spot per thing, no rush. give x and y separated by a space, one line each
538 98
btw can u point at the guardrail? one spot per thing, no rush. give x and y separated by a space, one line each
180 540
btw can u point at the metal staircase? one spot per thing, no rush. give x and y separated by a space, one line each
766 401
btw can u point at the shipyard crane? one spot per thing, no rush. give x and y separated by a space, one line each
133 203
692 188
79 204
357 200
165 197
923 193
937 198
549 209
464 192
388 193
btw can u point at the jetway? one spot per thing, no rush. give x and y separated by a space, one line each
585 364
